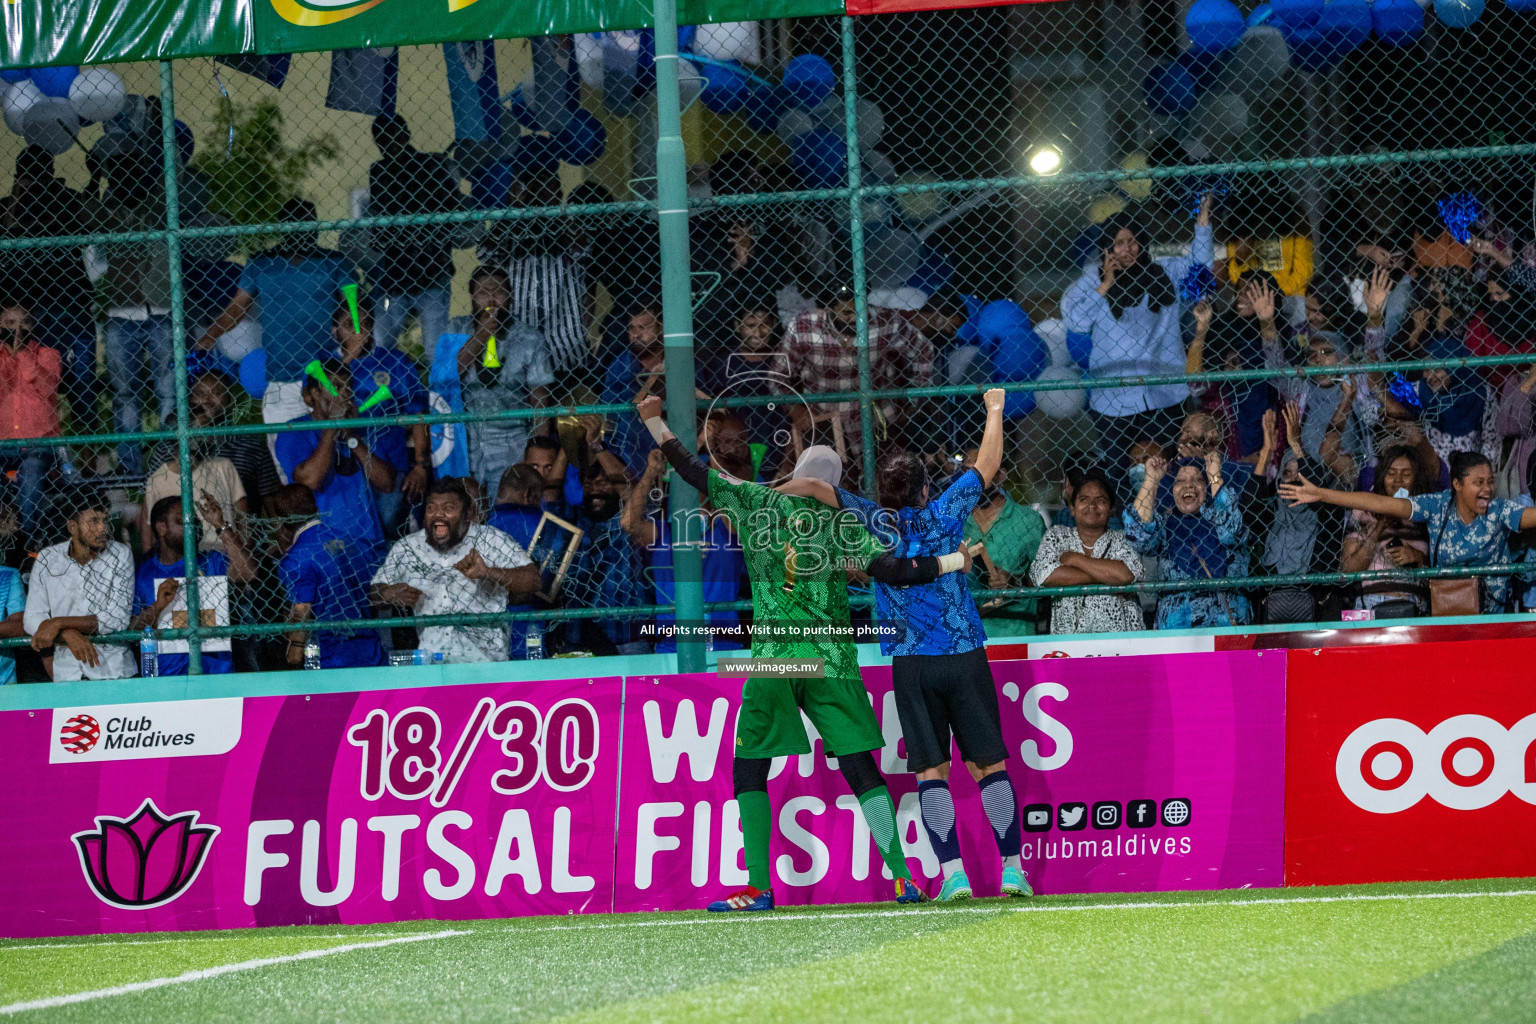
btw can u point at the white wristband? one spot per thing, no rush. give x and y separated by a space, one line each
951 562
658 428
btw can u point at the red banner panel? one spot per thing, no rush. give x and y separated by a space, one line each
1410 763
899 6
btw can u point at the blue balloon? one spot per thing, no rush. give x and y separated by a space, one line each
1205 67
1455 13
1289 14
645 60
809 79
582 140
55 81
820 157
762 107
1213 25
1524 6
1171 90
725 86
1312 50
1008 339
11 76
1398 22
1346 24
1260 15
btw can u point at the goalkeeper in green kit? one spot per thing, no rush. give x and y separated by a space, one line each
797 553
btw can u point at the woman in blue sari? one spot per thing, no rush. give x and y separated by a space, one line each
1195 539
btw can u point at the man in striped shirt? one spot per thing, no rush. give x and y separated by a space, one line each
823 357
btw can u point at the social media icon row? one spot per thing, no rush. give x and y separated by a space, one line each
1106 814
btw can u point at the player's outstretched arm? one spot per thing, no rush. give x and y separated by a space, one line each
685 463
914 572
990 457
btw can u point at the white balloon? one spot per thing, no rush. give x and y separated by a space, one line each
1259 58
1053 335
97 94
52 124
877 168
870 124
588 47
794 123
1222 115
18 99
1059 405
829 114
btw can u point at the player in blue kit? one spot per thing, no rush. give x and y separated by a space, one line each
939 666
166 564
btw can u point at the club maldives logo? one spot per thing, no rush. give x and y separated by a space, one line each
144 861
79 734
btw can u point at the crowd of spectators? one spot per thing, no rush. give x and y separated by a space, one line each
518 507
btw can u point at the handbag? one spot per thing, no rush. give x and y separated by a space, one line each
1453 596
1290 604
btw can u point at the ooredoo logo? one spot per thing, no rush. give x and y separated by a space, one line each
79 734
1466 762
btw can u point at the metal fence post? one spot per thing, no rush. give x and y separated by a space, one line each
856 254
179 365
677 320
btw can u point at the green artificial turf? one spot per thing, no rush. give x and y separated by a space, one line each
1166 957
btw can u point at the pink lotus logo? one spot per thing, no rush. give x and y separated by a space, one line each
144 861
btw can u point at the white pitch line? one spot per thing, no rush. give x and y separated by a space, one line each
711 922
189 937
212 972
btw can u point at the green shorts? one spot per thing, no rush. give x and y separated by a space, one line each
770 723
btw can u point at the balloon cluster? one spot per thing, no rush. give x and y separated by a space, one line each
803 108
1199 283
1459 211
47 106
1312 36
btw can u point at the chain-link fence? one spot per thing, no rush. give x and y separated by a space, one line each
404 300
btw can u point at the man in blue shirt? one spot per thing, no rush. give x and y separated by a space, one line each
607 569
324 583
342 471
939 665
152 600
408 449
13 602
517 514
299 286
725 566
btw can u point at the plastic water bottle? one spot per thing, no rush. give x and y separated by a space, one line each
400 659
311 654
535 643
149 654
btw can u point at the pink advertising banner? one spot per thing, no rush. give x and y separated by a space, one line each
499 800
1135 774
344 808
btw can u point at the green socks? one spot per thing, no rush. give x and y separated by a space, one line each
880 814
756 826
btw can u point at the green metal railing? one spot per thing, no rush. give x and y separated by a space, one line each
672 210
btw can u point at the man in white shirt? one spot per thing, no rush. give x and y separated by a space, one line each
454 565
79 588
